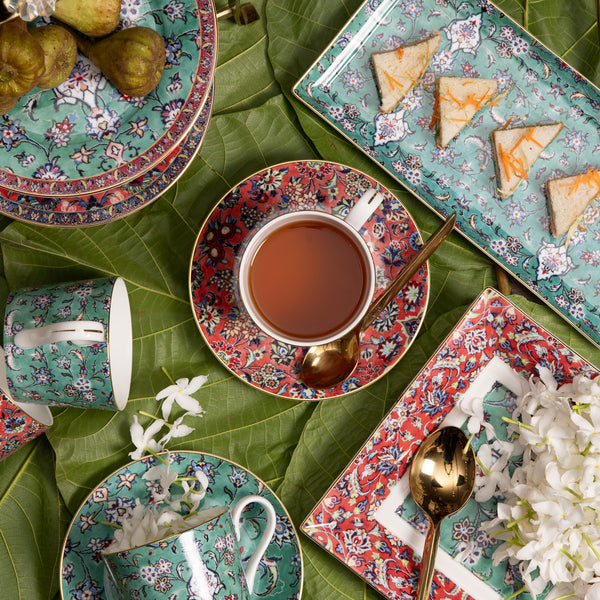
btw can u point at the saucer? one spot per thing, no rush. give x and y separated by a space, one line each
260 360
116 202
82 571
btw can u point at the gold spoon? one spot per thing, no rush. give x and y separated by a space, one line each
327 365
442 475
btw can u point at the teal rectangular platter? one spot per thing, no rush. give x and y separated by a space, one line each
537 86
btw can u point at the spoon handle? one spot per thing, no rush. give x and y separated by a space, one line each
415 263
428 560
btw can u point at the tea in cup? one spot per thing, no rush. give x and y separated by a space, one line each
307 277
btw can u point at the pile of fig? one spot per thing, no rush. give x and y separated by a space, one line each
43 56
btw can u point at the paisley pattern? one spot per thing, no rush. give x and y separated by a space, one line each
236 341
279 576
84 136
536 86
17 428
116 202
343 520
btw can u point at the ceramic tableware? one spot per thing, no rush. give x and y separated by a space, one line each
19 423
491 351
536 86
70 344
307 277
116 202
202 562
83 136
82 571
260 360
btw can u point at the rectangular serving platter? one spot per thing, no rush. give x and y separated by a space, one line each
367 519
536 86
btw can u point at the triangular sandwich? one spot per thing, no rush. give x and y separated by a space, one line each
515 151
397 71
457 101
568 197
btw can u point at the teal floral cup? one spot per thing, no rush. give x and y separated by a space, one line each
201 563
70 344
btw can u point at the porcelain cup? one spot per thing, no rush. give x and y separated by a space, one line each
350 226
202 563
70 344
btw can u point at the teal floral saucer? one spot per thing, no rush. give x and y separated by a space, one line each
82 571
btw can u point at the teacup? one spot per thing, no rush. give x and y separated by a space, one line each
203 562
307 277
70 344
19 423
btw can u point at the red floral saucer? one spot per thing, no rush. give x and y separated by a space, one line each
236 341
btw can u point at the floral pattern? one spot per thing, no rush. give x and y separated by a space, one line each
116 202
95 137
17 428
343 521
61 373
279 576
237 342
536 86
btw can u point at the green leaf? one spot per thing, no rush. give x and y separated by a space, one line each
32 523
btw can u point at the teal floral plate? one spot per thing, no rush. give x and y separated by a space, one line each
279 576
84 136
536 86
116 202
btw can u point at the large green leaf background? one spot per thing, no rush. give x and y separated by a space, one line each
297 448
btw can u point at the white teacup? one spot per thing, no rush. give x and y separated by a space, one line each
307 277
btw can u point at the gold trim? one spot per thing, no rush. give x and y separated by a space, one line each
167 453
216 206
413 192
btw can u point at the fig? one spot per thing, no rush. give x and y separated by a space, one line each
94 18
7 103
60 54
21 59
131 59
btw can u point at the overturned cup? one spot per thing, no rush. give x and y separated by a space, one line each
70 344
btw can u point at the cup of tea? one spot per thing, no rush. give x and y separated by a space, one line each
307 277
70 344
204 561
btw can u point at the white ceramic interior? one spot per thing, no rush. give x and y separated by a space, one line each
120 343
255 243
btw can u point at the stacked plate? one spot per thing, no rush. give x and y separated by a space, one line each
84 154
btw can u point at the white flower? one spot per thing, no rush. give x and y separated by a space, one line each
180 393
493 458
176 429
143 439
164 476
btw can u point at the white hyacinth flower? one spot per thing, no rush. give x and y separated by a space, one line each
180 393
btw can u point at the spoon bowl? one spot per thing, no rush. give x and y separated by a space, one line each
442 476
327 365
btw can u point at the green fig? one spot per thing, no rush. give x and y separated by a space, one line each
94 18
60 54
7 103
131 59
21 59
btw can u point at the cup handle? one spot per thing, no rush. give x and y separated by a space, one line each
366 205
83 333
265 539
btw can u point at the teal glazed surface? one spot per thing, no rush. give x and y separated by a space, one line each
83 575
61 373
168 569
536 86
85 136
